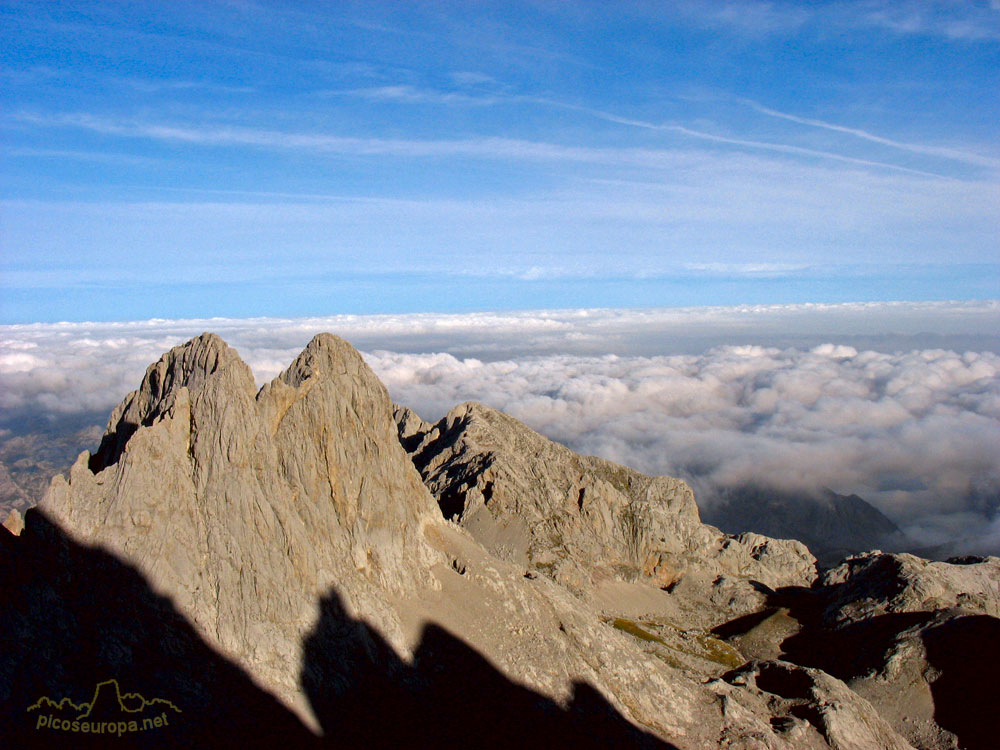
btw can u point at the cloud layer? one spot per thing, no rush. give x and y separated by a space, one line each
910 425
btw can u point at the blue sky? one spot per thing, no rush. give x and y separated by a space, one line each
239 159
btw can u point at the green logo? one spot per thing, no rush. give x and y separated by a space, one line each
110 712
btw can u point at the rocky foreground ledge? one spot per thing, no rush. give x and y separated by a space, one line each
309 564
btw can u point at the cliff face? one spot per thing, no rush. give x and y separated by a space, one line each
245 507
275 561
581 520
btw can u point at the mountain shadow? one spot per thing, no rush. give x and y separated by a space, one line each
963 649
88 641
450 696
967 652
73 618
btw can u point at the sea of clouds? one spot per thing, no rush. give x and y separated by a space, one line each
896 402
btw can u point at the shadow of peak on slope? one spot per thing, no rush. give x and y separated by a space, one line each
966 653
962 649
449 696
75 616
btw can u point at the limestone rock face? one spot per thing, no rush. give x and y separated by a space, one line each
247 507
875 583
12 497
918 640
807 707
14 523
581 520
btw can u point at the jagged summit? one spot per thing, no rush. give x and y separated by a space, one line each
247 506
322 553
186 366
324 353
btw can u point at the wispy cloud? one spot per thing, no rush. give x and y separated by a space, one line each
746 16
412 95
965 22
783 148
147 85
916 148
471 78
226 135
479 147
91 156
748 269
957 21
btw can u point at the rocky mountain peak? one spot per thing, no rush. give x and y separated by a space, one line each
188 366
329 355
247 505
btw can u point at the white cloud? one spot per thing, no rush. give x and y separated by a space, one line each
470 78
955 21
964 22
784 148
228 135
747 269
915 430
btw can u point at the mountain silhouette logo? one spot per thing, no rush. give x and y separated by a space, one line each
109 712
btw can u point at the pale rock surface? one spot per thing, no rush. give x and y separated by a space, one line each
919 640
14 522
12 497
805 706
876 583
247 507
584 521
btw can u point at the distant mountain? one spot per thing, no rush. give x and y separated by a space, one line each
307 565
32 451
12 497
832 526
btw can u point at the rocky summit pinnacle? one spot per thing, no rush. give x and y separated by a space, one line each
307 563
247 506
185 366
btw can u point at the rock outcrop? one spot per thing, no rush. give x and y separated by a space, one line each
13 499
916 639
246 507
807 706
583 521
14 522
275 564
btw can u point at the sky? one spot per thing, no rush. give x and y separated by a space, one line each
239 159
